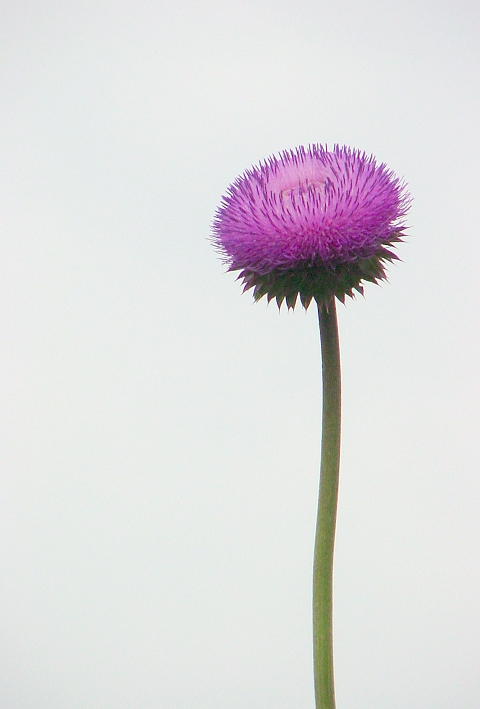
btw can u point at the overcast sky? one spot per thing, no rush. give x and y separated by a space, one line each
159 454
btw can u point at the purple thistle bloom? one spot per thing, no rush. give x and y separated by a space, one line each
313 222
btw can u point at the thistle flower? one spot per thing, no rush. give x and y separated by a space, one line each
312 223
316 224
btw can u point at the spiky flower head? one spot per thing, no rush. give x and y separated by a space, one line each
312 223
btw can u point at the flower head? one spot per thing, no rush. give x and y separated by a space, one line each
312 223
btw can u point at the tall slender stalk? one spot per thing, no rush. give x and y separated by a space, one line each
327 510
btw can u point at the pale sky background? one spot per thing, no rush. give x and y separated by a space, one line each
159 432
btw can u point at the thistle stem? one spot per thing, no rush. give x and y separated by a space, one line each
327 510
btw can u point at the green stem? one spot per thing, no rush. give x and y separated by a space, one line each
327 510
